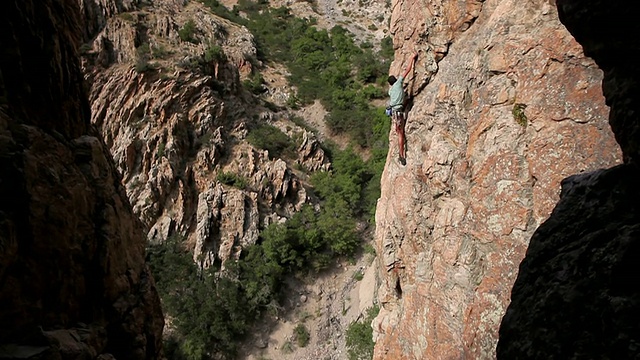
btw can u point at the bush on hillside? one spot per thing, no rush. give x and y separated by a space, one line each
190 296
255 83
232 179
360 337
302 335
270 138
187 31
214 53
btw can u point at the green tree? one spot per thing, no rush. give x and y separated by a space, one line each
214 53
339 227
211 313
260 276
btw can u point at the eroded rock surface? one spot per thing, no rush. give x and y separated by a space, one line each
176 120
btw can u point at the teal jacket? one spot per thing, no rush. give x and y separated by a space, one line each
396 94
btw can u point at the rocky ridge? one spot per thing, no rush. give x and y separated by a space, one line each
176 123
175 128
367 19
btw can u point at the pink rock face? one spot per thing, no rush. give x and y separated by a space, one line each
506 106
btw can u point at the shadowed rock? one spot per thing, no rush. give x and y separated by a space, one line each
73 281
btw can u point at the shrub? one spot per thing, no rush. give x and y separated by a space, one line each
518 114
369 249
143 65
301 335
360 337
300 122
159 51
187 30
126 16
270 138
254 84
287 348
142 62
161 147
386 48
371 92
261 278
232 179
293 102
190 295
222 11
214 53
143 50
370 68
192 63
359 275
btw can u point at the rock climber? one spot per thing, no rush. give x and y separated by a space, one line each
397 105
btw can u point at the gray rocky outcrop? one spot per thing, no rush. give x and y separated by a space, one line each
178 126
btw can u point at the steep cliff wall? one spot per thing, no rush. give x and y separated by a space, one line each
73 282
95 13
506 106
578 290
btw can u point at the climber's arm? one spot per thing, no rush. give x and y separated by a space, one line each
413 59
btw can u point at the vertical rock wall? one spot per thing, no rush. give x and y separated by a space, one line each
73 282
505 106
95 13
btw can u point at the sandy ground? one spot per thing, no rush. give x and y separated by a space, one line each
326 306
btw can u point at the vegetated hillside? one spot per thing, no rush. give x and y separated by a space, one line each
235 190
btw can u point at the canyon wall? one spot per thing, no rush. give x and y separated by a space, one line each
505 106
73 280
507 138
577 294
